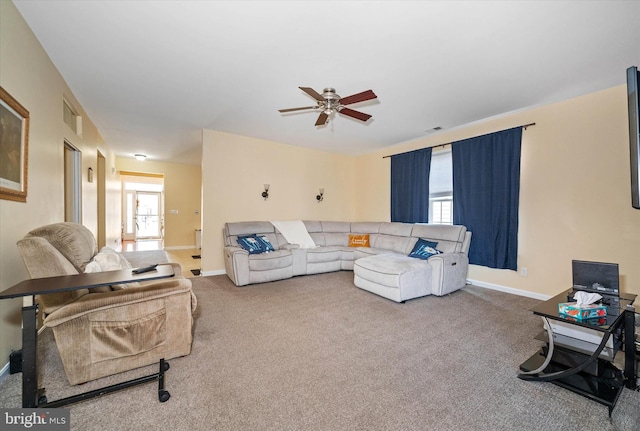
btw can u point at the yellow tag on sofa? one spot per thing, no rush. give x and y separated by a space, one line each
359 240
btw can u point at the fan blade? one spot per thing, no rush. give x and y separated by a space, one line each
360 97
296 109
355 114
313 93
322 119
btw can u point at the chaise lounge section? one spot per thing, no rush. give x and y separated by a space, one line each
377 252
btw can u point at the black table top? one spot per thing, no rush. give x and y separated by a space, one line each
549 309
40 286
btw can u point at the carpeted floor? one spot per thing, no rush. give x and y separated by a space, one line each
317 353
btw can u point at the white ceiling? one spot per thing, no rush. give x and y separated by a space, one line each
152 74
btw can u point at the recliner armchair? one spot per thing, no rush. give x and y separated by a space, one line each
111 329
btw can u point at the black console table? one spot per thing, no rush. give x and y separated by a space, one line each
607 383
32 396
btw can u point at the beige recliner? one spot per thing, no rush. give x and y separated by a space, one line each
111 329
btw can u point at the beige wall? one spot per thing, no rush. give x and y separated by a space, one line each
575 195
235 168
29 76
182 192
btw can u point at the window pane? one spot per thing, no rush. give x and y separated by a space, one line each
441 188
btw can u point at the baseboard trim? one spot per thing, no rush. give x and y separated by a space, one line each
182 247
507 289
214 272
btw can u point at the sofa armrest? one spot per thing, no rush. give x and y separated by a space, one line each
449 272
93 302
236 264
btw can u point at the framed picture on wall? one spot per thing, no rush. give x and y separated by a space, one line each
14 140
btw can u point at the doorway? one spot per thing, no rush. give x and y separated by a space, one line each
143 207
148 212
102 201
72 184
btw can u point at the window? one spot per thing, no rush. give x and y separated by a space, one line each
71 119
441 188
441 210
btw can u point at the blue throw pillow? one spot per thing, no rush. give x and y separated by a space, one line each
424 249
265 244
250 243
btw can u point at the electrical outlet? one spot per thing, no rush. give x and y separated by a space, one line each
524 272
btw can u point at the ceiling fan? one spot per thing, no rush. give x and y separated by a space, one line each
329 102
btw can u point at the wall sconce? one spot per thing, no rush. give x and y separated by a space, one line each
90 175
320 197
265 193
140 157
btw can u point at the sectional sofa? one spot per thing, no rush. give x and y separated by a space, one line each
382 266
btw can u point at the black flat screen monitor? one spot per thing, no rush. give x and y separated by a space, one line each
599 277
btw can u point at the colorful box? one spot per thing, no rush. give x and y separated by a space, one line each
588 311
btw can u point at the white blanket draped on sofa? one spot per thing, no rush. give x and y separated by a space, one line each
295 232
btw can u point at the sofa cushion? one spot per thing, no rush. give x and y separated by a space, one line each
450 238
336 239
243 228
365 227
324 254
313 226
318 238
336 226
395 228
250 243
361 240
74 241
424 249
399 244
269 261
249 227
390 270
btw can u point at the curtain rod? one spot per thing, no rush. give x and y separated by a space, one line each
524 126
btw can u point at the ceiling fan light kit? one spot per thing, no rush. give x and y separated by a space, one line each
329 102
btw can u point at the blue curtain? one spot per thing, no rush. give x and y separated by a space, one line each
410 186
486 193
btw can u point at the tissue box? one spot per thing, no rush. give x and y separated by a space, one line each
588 311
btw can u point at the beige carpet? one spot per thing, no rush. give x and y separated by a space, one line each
317 353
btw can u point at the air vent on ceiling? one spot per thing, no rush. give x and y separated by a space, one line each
433 129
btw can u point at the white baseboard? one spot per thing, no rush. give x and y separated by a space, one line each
182 247
214 272
507 289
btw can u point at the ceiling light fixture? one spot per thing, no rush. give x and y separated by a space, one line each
140 157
